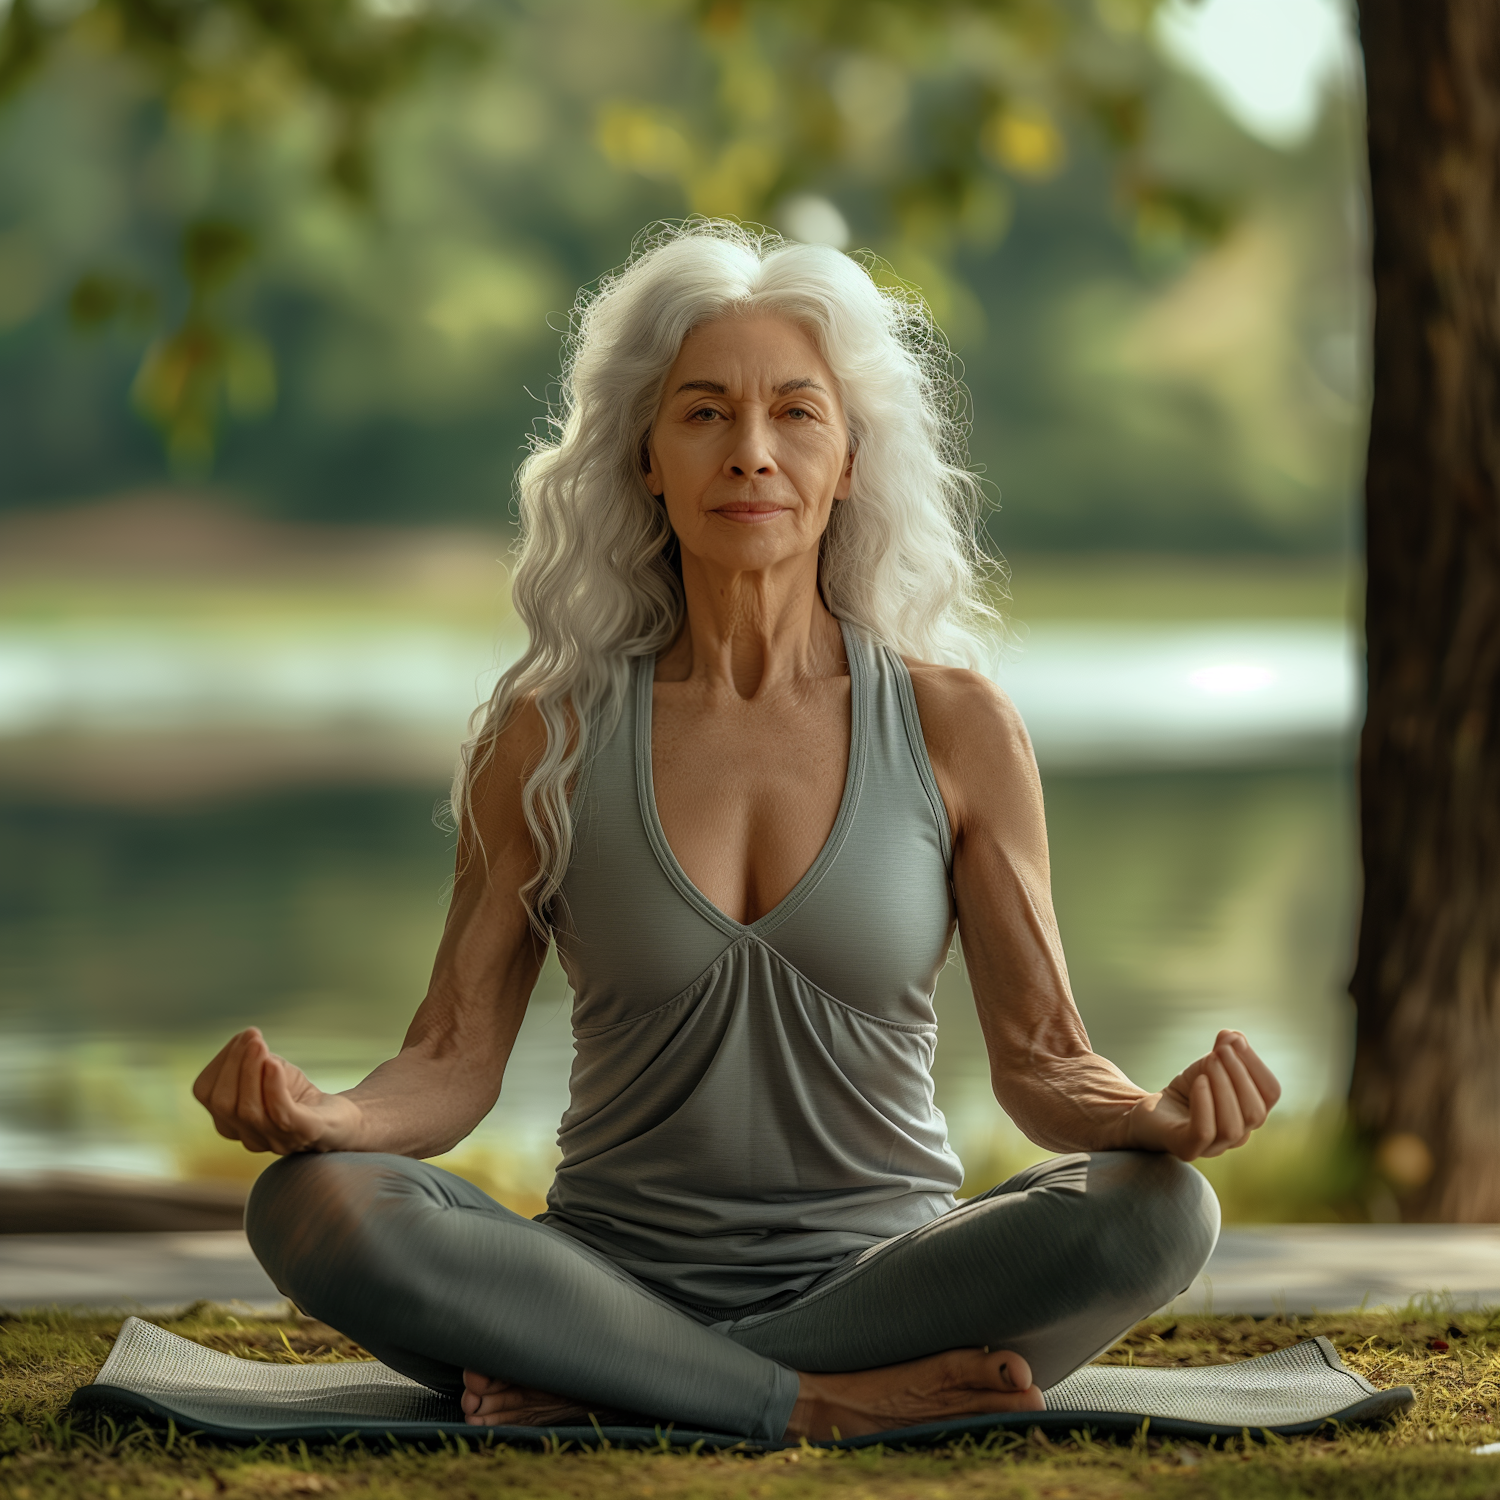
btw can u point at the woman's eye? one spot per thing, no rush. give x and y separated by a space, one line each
798 411
704 413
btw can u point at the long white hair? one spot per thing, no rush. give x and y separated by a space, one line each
594 581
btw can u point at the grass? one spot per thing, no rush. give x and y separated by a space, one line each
1452 1360
463 587
1144 589
1299 1169
1306 1168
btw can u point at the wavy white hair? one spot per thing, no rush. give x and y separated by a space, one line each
594 578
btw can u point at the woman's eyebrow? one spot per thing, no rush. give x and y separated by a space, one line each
785 388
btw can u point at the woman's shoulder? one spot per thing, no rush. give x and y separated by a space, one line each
975 737
503 757
518 739
958 704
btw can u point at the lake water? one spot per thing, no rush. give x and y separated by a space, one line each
1199 808
136 940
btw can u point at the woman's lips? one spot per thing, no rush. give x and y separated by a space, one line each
748 513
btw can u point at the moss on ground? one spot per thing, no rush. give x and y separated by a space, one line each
1451 1359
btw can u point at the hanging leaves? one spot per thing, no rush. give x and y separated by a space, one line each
943 112
231 65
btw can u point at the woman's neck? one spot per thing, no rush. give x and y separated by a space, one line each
752 632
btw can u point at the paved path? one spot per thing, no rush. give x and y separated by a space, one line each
144 1272
1260 1269
1266 1268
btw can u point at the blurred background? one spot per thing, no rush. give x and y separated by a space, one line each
281 299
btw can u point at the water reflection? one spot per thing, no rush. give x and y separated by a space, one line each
133 940
1120 693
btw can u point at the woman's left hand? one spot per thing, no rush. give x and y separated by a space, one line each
1210 1107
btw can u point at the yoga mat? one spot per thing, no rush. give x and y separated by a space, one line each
1293 1390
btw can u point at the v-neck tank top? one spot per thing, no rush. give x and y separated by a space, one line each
752 1104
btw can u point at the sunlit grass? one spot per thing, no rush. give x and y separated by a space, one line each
1451 1359
466 587
1303 1170
463 602
1179 590
517 1179
1297 1169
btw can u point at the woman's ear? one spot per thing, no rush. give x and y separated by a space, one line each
648 472
845 486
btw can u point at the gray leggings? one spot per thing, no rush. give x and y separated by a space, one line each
434 1278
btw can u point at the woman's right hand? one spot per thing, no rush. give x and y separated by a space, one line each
268 1104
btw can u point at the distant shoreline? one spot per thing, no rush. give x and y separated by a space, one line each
89 1203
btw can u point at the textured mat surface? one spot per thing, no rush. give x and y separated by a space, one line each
149 1370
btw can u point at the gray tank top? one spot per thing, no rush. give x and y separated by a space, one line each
752 1104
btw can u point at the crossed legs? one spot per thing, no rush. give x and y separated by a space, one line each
436 1279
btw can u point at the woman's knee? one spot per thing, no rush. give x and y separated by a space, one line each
310 1211
1161 1214
316 1219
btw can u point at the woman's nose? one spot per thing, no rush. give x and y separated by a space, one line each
751 453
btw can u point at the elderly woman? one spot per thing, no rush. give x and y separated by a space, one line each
741 780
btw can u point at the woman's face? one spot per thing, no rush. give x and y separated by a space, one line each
749 448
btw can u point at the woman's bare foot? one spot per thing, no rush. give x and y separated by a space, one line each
497 1403
959 1382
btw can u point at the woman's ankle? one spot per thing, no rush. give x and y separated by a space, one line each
810 1416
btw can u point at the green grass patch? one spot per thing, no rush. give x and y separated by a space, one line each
1298 1169
1452 1360
1128 588
466 588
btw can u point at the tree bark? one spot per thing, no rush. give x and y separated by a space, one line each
1426 1087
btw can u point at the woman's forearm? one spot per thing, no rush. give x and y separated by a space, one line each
1077 1102
420 1105
447 1076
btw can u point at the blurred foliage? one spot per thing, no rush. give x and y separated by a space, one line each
186 373
361 221
797 92
226 63
229 67
922 100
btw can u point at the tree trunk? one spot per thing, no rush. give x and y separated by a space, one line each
1426 1088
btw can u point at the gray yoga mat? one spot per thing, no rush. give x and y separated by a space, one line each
149 1370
